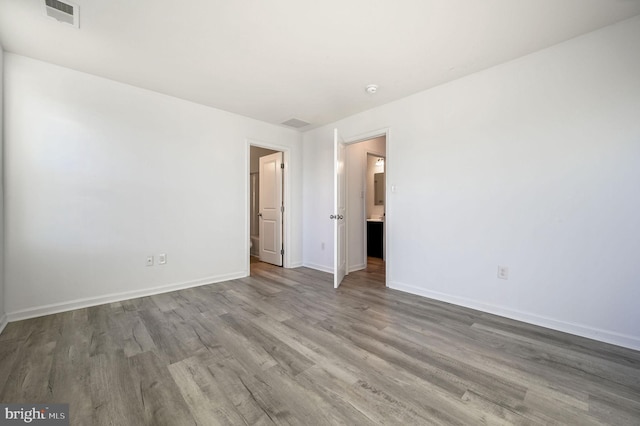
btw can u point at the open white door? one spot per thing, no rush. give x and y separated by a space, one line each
339 208
270 208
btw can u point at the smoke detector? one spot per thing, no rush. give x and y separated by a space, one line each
63 11
371 88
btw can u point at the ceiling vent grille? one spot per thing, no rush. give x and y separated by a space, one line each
294 122
63 11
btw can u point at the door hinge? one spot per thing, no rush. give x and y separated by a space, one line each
282 209
282 165
282 252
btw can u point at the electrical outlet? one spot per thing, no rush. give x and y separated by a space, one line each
503 272
162 259
149 260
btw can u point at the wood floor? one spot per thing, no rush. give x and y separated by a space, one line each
283 347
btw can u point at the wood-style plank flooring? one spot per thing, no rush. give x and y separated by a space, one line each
284 347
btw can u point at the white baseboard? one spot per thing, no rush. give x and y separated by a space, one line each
606 336
329 269
296 265
3 322
355 268
115 297
317 267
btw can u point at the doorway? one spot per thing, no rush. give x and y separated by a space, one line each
375 184
366 213
266 206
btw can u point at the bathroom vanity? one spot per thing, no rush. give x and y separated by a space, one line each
375 235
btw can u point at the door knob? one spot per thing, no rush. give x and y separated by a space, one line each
259 214
333 216
340 217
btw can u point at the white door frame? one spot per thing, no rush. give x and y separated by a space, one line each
388 202
286 197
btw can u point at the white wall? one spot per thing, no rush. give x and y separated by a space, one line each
533 164
3 317
356 171
101 174
317 199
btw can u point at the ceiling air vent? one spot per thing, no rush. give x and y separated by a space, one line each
63 11
294 122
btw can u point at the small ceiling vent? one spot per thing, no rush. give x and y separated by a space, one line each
294 122
63 11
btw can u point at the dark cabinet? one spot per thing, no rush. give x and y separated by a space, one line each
375 235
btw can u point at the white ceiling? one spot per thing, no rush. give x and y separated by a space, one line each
278 59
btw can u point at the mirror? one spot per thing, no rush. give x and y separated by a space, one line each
378 189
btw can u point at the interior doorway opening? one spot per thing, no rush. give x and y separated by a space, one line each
266 206
366 163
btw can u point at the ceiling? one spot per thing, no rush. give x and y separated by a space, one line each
311 60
